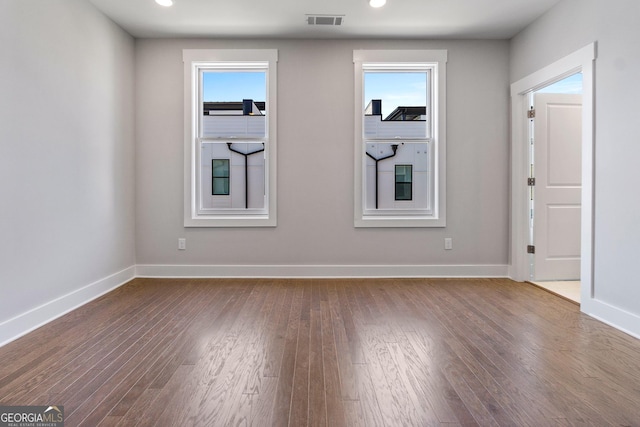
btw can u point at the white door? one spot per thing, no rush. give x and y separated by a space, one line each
557 171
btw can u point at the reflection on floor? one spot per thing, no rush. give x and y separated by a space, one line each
566 289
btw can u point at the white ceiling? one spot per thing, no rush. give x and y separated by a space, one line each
477 19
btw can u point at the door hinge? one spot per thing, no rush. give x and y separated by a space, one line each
531 182
531 114
531 249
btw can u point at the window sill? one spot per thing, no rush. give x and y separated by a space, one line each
371 221
231 221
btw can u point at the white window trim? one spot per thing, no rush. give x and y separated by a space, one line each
438 60
194 59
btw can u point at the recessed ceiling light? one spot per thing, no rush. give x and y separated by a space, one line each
377 3
165 3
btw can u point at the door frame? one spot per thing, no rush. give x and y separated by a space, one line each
582 60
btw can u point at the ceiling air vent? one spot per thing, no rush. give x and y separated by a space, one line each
325 19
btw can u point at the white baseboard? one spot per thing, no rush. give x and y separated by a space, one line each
321 271
616 317
28 321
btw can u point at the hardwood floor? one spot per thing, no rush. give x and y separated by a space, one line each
363 352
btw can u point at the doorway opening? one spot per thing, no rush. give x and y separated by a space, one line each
555 153
579 62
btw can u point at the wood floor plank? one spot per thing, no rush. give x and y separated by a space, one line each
333 396
317 388
261 407
327 352
163 402
426 415
299 407
282 408
369 409
256 358
348 386
275 333
350 312
110 421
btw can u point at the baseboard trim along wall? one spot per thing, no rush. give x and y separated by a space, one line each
321 271
616 317
26 322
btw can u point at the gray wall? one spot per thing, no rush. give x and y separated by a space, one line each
66 151
613 24
315 161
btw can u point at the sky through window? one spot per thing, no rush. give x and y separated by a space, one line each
234 86
407 89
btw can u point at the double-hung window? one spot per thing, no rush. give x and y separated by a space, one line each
400 138
230 137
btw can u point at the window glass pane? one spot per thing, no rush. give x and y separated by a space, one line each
403 173
403 191
234 104
241 175
220 186
221 168
395 104
396 172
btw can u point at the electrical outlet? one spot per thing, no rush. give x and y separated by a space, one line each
182 244
448 243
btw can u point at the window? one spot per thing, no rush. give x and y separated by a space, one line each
400 138
220 177
230 137
404 180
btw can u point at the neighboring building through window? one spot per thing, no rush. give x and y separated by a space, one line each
230 137
400 138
